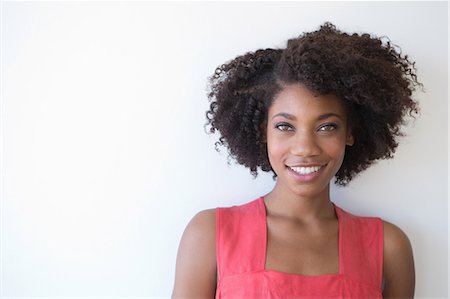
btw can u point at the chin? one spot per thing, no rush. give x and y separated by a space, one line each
309 191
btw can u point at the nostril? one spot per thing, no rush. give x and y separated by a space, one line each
305 148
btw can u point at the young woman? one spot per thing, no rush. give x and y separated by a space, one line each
327 106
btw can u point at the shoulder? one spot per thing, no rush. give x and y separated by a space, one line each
203 222
199 237
398 263
196 268
200 233
395 240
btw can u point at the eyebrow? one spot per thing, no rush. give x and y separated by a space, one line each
292 117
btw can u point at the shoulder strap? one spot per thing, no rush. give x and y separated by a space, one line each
240 238
361 247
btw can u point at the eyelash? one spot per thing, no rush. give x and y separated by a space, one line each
330 125
284 127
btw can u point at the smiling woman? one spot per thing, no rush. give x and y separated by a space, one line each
306 139
328 105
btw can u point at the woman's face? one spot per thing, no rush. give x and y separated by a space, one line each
306 139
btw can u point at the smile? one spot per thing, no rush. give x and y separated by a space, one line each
305 170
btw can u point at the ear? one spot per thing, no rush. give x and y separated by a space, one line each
350 140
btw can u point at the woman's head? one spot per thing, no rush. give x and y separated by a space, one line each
373 81
306 137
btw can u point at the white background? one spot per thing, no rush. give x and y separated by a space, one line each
105 159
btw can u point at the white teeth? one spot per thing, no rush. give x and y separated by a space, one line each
305 170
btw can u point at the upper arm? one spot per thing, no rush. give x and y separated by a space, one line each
398 263
196 269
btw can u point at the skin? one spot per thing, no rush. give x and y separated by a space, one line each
301 130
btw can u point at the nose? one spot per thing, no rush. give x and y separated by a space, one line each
304 144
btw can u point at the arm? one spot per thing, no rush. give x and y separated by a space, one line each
398 263
195 275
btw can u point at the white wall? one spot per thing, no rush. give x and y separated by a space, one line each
104 156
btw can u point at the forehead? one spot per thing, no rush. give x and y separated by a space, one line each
297 99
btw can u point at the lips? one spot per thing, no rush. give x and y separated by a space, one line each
304 170
306 173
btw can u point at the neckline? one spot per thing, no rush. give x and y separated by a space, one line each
340 243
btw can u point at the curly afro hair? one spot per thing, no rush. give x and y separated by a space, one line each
372 78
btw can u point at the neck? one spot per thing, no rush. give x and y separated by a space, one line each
306 207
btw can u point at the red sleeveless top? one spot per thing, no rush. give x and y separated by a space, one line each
241 236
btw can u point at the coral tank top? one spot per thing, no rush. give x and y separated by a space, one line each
241 235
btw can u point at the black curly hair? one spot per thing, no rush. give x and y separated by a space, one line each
371 76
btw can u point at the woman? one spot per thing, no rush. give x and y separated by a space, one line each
328 105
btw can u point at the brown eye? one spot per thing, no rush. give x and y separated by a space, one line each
328 127
284 127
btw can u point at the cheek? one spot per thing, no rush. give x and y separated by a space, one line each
275 150
335 148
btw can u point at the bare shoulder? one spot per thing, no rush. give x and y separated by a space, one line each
202 225
195 275
398 263
395 240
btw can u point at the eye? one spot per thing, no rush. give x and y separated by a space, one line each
284 127
328 127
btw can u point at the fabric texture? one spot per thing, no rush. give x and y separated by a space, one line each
241 235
